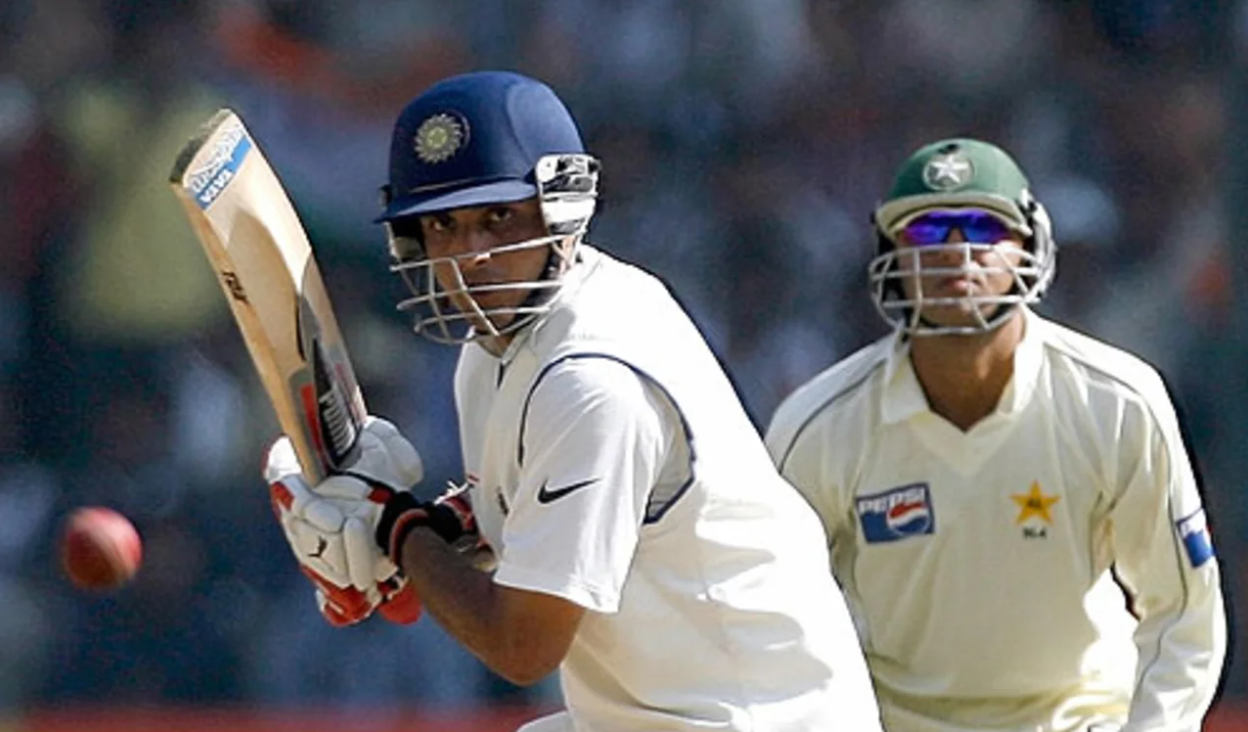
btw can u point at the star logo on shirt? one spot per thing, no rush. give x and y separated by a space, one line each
1035 504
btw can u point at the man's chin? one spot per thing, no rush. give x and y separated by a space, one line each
492 323
956 316
961 315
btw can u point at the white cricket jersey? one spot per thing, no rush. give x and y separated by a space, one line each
612 465
980 567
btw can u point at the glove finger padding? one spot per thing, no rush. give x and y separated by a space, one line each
317 543
351 487
361 554
386 456
364 563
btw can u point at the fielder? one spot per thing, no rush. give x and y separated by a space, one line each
1009 505
644 544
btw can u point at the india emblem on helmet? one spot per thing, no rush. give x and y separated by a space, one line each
439 137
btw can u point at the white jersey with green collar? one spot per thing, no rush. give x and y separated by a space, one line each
611 464
989 572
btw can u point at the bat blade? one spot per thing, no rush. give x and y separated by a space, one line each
264 262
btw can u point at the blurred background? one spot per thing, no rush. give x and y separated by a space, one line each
744 141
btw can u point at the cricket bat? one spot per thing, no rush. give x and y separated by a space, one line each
256 244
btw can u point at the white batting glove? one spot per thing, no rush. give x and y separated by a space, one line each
331 527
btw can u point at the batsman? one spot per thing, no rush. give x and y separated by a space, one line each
643 543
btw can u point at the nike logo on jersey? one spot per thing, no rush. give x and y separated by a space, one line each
547 495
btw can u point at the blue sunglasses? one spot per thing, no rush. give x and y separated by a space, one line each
976 225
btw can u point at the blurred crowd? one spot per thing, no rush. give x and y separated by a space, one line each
744 143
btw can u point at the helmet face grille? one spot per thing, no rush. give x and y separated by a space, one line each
450 310
1032 275
889 272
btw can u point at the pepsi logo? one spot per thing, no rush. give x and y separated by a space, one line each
912 517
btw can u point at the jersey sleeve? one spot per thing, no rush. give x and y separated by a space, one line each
1164 555
800 461
593 444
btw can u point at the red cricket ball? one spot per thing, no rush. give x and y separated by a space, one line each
100 548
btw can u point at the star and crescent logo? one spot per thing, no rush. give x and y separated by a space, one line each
947 171
1035 504
439 137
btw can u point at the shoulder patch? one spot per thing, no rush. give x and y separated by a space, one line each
898 513
1194 531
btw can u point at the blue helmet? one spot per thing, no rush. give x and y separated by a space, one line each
475 139
478 139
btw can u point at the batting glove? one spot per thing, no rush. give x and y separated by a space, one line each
330 527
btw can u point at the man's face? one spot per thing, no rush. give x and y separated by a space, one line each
464 243
962 259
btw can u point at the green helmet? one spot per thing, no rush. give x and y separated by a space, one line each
951 174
